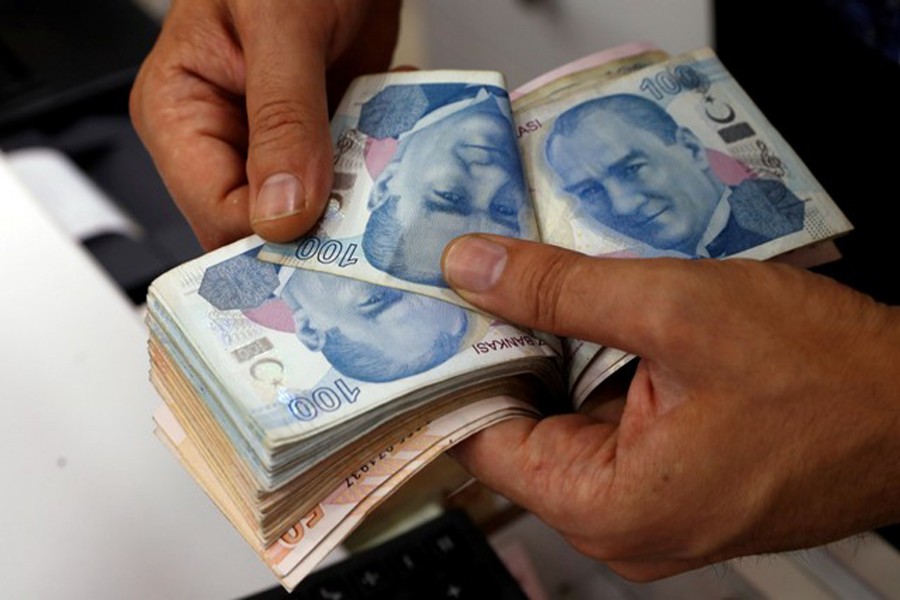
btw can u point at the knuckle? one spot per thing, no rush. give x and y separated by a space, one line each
546 286
280 123
135 104
142 91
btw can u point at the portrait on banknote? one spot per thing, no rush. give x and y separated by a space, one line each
418 162
365 331
372 332
630 167
455 170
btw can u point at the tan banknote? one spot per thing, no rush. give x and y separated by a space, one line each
361 489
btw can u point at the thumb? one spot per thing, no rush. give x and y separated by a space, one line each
289 154
611 301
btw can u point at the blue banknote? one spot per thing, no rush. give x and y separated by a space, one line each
281 354
671 160
421 158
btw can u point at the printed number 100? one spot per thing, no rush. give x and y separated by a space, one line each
327 251
322 400
669 83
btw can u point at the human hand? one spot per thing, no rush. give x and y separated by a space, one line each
231 103
763 415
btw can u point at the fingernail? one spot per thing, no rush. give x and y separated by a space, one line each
474 263
282 195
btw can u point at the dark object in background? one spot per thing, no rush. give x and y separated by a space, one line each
66 69
57 58
447 557
833 97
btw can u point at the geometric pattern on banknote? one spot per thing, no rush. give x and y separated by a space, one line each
393 110
818 225
232 328
397 109
242 282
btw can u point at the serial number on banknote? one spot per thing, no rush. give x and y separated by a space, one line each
370 464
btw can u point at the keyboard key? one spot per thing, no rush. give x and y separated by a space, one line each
446 558
331 589
371 578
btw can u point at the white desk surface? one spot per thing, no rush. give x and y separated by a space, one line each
93 506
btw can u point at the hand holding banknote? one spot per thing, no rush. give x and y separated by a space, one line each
736 436
232 105
762 417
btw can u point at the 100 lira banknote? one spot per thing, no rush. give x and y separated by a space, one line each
671 160
421 158
281 355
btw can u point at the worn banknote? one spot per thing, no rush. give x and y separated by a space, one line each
610 58
597 68
420 158
281 355
361 489
671 160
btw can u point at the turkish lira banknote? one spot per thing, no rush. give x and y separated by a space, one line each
671 160
335 513
420 158
629 153
281 355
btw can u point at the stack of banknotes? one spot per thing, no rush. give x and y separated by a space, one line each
303 383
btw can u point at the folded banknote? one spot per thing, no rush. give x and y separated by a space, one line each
304 382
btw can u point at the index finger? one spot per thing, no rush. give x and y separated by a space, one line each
186 106
289 156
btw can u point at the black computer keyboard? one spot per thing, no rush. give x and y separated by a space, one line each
446 558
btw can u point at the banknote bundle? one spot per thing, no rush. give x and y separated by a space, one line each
303 383
294 395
